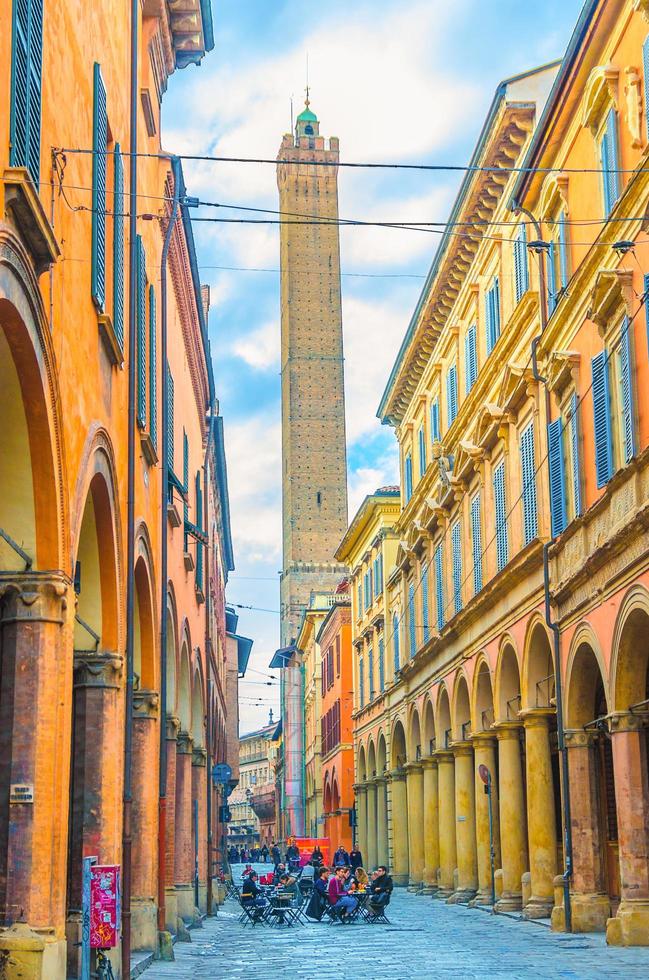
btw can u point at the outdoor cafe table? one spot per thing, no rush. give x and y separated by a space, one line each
282 909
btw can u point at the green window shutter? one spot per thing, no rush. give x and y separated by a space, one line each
456 547
99 142
422 452
502 537
476 541
170 420
118 246
552 278
411 620
558 515
370 671
451 395
381 665
396 641
528 470
153 368
199 525
424 603
627 392
439 586
408 477
27 64
434 420
574 446
361 682
141 333
470 359
602 419
563 251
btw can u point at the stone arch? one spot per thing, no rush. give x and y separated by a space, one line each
443 713
145 631
371 760
414 736
362 765
483 698
33 504
327 794
381 753
335 792
172 650
429 744
585 673
398 751
184 682
630 658
507 688
461 714
537 690
198 708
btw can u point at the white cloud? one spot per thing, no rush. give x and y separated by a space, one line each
260 348
367 479
254 478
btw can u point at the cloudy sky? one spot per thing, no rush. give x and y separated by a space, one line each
399 81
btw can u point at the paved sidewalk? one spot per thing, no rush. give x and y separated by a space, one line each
427 939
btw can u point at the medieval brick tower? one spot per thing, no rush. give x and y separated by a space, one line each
314 476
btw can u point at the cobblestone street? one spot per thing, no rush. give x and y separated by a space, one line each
426 938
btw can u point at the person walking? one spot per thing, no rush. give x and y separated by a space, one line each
293 855
264 853
355 858
342 903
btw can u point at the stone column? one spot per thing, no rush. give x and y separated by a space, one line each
484 746
360 791
382 855
541 822
144 821
431 825
467 862
415 783
399 822
371 855
184 858
630 927
447 840
36 615
172 727
199 795
588 896
513 823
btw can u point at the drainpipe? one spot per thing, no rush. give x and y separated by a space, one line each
206 573
164 490
541 250
130 498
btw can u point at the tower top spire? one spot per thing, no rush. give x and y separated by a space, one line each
307 123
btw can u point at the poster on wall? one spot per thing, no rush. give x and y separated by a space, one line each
306 846
104 906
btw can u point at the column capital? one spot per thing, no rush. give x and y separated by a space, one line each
443 755
508 730
461 749
579 738
537 717
172 727
145 704
35 596
101 669
381 780
413 767
627 721
429 762
483 738
397 775
199 757
359 788
185 743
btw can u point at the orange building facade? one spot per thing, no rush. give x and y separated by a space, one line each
337 743
113 698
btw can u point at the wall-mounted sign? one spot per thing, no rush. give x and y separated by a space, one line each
21 793
104 906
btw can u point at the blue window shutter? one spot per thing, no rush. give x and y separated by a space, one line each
411 620
370 671
27 64
141 333
496 293
380 566
613 177
99 142
627 391
493 314
118 246
439 586
563 251
153 368
489 317
361 682
558 514
456 547
528 469
521 271
574 447
199 524
602 419
408 477
552 278
645 69
422 451
395 640
470 359
381 665
359 596
451 394
370 581
476 541
502 538
185 485
424 603
170 420
434 416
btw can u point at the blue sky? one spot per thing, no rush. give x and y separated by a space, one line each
397 81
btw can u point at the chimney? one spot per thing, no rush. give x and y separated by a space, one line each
205 298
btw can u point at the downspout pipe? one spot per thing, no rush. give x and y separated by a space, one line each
164 484
208 662
550 622
130 498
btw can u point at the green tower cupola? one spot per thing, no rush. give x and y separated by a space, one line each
307 123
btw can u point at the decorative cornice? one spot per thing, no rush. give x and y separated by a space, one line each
600 93
613 289
146 704
99 670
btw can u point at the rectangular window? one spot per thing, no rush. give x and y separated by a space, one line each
199 525
424 602
411 620
185 484
370 669
99 144
439 586
141 333
502 539
573 428
493 314
359 600
626 393
337 656
456 547
558 515
153 369
470 359
407 469
118 246
476 543
451 395
435 432
27 57
609 159
361 682
557 264
563 251
422 451
381 665
170 420
528 473
602 419
521 268
396 626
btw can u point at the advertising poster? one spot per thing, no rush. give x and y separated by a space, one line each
104 906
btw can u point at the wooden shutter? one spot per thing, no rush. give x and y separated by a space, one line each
489 320
153 368
602 419
470 359
521 272
118 246
476 541
411 619
574 447
170 420
612 177
552 278
99 143
395 634
528 469
627 391
456 548
451 394
27 65
434 415
563 251
502 540
408 477
439 586
496 307
422 451
557 478
141 333
199 525
361 682
381 664
424 602
370 670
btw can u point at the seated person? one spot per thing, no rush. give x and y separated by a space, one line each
279 871
343 903
288 884
251 893
361 880
319 899
380 888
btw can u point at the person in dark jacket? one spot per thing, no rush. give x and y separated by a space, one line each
316 857
264 853
380 888
341 857
319 899
293 855
355 859
251 893
274 853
